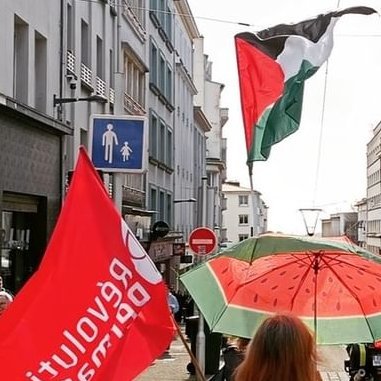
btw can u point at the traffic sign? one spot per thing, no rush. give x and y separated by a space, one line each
202 241
118 143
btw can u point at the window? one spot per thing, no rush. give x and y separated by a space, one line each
137 7
243 200
168 88
153 63
100 70
162 12
20 60
168 24
135 82
243 219
85 45
162 142
153 135
169 209
162 205
40 70
162 72
69 28
153 202
169 148
242 237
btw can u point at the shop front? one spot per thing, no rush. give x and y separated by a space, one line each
31 188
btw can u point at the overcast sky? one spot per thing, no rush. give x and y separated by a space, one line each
298 174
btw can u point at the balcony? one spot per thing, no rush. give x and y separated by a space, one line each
70 62
87 77
100 87
132 107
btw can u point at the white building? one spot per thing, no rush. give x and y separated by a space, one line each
374 192
238 221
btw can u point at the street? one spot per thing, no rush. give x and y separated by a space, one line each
331 364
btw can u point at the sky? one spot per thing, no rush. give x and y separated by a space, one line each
323 164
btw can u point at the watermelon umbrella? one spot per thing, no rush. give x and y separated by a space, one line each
333 285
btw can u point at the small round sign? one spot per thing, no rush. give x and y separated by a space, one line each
202 241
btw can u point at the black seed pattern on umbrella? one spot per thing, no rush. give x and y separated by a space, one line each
349 277
264 280
313 306
307 290
371 287
256 298
340 290
225 270
375 304
330 280
274 287
283 273
357 288
291 288
296 277
378 279
360 272
338 306
275 302
230 283
324 294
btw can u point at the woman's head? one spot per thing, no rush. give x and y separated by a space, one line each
282 349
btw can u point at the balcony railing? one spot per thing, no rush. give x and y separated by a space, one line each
100 87
70 62
132 107
112 95
86 75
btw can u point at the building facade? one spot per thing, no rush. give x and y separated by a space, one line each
66 61
32 139
238 221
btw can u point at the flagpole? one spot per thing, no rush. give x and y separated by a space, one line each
200 374
253 203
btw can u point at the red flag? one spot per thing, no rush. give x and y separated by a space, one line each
97 307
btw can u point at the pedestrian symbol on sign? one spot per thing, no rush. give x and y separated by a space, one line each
109 138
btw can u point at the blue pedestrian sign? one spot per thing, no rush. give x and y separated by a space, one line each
118 143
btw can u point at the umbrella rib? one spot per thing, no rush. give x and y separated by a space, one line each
302 279
350 291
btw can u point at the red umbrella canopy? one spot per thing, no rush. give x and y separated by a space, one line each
331 284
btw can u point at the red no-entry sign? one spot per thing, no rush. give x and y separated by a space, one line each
202 241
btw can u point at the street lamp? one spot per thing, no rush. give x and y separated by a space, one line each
91 98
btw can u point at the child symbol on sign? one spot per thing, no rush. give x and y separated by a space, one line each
126 151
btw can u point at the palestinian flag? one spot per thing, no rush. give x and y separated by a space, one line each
272 67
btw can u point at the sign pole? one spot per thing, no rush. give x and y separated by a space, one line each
200 338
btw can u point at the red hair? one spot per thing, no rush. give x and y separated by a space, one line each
283 349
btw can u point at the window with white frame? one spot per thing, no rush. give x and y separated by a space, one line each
243 219
243 200
135 78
